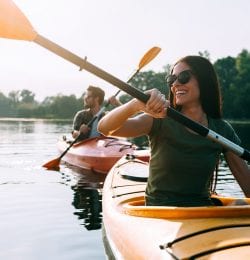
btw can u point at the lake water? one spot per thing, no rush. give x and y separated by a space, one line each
45 214
55 215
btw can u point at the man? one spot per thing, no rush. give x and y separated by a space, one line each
93 100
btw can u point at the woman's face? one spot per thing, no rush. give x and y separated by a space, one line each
186 92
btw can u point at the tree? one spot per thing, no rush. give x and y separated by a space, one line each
147 80
242 86
27 96
204 54
14 97
64 106
5 106
227 74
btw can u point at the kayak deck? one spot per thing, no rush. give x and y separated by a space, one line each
99 154
158 232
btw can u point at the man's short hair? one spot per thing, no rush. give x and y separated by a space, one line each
97 92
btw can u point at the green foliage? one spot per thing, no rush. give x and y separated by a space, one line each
204 54
5 106
63 106
233 75
145 81
26 96
227 73
22 104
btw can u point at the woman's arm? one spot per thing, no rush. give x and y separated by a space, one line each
125 121
240 170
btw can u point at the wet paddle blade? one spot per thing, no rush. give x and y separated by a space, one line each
53 164
13 23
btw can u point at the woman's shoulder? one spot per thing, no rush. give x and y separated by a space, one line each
163 123
219 123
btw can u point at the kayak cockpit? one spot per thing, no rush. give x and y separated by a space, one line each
229 208
128 186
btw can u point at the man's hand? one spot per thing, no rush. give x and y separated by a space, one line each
84 129
114 101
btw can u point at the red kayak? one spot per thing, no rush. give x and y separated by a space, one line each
99 154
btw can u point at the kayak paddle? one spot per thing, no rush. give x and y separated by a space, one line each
14 25
147 57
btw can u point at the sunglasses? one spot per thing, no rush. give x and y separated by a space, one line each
182 78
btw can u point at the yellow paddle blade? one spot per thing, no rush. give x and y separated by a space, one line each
149 55
13 23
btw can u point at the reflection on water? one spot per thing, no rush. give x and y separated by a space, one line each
89 207
37 219
87 198
226 184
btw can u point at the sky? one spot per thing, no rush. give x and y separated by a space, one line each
114 35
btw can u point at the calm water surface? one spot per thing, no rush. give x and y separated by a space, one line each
45 214
54 215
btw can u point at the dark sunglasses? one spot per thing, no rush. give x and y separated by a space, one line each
183 77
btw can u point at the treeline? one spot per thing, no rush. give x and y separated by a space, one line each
233 73
23 104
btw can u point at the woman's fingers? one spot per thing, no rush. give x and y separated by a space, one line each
157 104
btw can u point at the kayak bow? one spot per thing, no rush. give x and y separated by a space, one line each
99 154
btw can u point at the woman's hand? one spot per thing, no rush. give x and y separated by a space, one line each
157 104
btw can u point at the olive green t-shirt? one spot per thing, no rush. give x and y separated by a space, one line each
182 162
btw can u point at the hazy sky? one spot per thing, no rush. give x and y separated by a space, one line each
114 35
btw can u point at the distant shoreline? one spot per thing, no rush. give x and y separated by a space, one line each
247 121
34 119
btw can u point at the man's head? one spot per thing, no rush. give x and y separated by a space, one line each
93 96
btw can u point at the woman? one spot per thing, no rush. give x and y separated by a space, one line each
182 163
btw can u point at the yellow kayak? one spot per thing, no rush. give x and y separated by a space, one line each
134 231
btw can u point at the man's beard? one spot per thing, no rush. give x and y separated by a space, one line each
87 106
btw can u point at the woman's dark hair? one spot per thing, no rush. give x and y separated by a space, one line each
208 83
97 92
